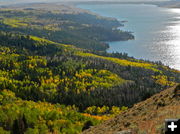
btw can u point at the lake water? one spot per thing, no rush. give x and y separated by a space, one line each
156 31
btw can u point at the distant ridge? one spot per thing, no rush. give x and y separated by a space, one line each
145 117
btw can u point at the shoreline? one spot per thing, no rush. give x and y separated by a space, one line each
145 58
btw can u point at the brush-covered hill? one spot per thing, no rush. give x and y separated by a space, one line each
144 117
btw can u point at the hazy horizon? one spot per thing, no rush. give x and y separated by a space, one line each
3 2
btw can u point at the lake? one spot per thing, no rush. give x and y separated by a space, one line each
156 31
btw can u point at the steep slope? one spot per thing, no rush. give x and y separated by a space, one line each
145 117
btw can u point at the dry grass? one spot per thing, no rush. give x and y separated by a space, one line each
145 117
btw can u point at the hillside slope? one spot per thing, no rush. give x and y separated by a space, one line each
145 117
39 69
63 24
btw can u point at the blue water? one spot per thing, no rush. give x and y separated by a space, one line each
156 31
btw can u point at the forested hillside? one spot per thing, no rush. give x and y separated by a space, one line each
50 87
37 69
81 29
19 117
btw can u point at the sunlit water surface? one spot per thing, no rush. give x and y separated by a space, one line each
156 30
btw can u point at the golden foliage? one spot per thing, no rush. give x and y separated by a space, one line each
122 62
164 80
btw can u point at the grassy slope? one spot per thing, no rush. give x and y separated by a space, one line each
145 117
